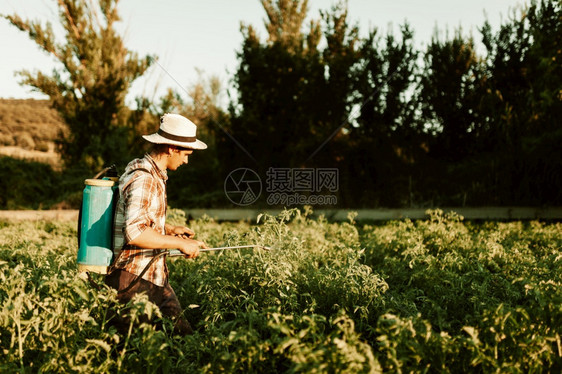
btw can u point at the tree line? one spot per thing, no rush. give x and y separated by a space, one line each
459 121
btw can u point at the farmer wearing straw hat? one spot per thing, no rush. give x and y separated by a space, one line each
141 234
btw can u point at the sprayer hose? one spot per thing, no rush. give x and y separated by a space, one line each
139 277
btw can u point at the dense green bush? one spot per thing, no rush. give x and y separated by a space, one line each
25 184
435 295
35 185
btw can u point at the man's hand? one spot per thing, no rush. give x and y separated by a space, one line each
190 247
181 231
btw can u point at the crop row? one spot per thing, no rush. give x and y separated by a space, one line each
406 296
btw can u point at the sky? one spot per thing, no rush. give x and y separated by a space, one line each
187 35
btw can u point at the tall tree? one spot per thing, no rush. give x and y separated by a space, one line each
285 21
291 94
524 104
340 59
381 142
273 83
451 88
204 106
88 87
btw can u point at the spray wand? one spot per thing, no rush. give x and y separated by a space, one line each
177 252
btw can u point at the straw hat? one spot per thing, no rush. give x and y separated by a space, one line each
176 130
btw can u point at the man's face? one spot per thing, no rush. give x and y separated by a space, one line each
178 157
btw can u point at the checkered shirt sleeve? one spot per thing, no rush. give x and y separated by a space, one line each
142 204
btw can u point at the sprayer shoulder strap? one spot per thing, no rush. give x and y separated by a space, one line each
141 169
132 171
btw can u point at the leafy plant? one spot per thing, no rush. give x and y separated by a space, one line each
439 295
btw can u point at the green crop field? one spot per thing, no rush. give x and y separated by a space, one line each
439 295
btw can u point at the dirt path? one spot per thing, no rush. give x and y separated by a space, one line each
39 215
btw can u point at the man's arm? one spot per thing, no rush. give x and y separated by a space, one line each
151 239
137 194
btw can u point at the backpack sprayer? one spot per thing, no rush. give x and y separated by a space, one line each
95 225
95 222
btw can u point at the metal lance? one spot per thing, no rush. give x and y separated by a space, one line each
177 252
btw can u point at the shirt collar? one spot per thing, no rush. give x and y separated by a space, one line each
162 173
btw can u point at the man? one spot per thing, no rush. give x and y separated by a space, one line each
141 234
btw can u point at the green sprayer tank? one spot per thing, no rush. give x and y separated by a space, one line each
95 225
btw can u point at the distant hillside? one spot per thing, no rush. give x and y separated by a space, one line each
28 129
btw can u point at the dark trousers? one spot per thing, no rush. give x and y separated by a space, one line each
164 297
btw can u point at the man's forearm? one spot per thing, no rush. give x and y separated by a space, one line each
151 239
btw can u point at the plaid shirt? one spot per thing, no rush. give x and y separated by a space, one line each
142 204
